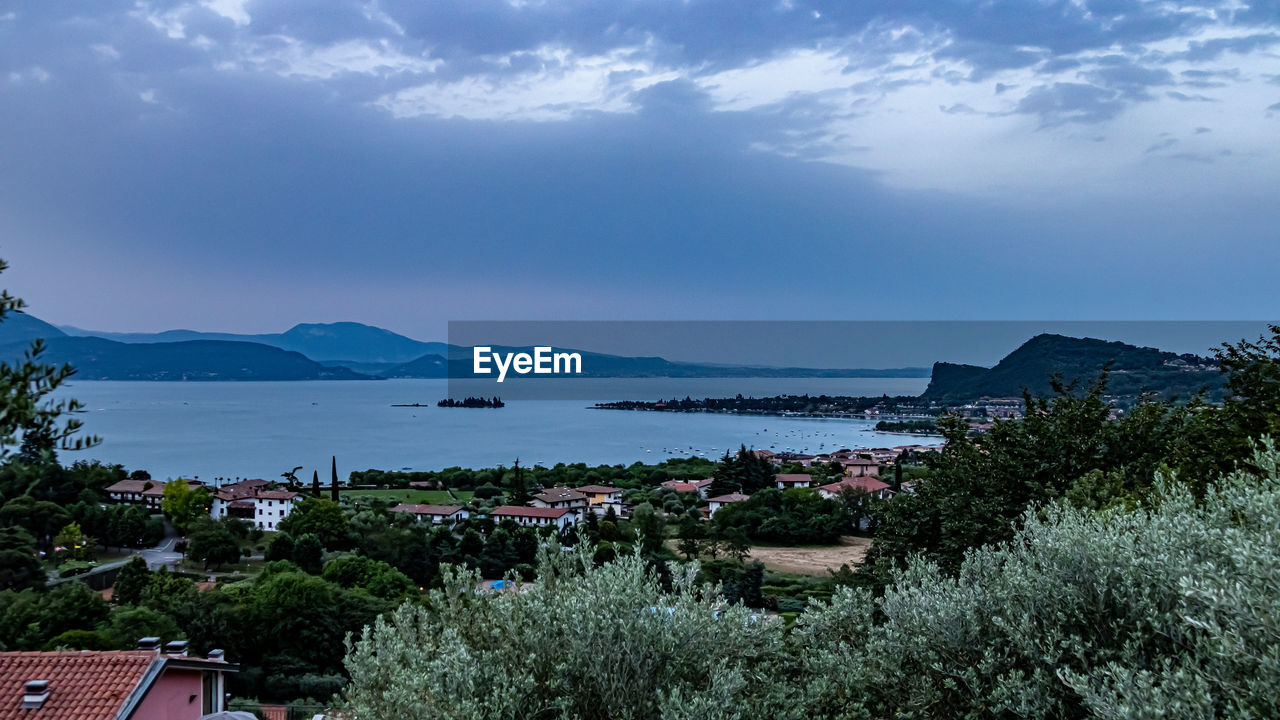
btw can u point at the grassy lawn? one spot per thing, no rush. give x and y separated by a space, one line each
416 497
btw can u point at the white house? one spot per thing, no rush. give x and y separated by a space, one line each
561 518
250 500
435 514
787 481
560 498
720 501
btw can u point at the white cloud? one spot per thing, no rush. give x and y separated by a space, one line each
34 74
563 86
233 10
106 50
292 58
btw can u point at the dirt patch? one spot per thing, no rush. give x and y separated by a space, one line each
813 560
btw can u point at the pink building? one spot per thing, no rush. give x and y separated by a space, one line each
143 684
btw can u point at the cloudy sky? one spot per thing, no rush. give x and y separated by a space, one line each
245 165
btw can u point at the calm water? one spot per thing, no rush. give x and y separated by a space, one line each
250 429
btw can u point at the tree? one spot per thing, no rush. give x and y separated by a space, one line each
73 544
184 505
315 482
333 480
19 567
132 579
214 545
649 528
736 543
376 578
25 388
580 640
281 548
323 518
691 537
308 553
1168 610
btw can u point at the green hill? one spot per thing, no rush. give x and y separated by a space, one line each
1133 370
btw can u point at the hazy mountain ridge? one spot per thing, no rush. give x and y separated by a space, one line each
1031 366
330 343
101 359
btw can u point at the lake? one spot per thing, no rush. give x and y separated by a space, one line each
261 429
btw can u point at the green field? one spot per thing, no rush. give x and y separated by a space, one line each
416 497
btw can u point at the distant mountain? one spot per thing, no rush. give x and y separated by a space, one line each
597 365
1133 370
23 328
332 343
99 359
430 365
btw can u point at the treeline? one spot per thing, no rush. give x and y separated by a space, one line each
633 476
779 404
472 402
908 426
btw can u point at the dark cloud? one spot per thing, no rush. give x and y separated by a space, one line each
251 194
1071 102
1183 97
1206 50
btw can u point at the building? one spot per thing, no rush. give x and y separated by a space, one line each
788 481
786 458
560 518
449 515
143 492
560 498
860 467
720 501
255 502
873 486
698 486
144 684
600 498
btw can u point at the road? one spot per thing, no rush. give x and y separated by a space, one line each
162 555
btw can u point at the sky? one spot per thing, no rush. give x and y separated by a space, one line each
243 165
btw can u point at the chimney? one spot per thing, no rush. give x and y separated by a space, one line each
35 692
176 647
149 643
218 655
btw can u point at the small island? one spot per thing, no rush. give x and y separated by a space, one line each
473 402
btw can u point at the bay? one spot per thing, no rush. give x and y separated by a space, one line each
261 429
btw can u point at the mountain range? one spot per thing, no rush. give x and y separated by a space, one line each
322 351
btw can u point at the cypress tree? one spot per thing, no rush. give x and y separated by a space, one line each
315 483
334 488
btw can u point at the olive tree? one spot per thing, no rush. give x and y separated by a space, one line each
584 641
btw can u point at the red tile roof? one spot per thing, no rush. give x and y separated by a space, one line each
522 511
866 484
277 495
82 685
597 489
795 478
131 486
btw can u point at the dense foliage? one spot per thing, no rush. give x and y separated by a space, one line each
1166 611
